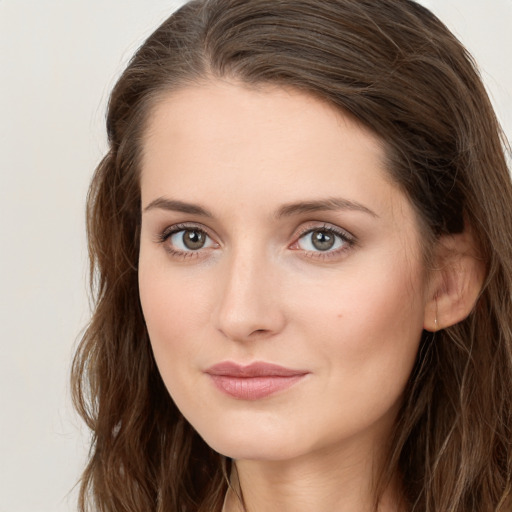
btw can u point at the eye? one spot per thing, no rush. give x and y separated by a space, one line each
326 240
184 239
189 239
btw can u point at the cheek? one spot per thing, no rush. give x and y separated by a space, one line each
175 314
173 307
366 331
386 302
369 322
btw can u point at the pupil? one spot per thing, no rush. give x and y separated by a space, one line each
193 239
322 240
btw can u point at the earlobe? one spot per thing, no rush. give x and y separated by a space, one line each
456 282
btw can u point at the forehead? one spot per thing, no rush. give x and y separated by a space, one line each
222 126
251 106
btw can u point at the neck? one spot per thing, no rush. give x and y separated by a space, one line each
331 481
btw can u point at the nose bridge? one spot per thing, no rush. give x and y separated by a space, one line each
249 298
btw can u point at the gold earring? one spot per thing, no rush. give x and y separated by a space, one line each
435 319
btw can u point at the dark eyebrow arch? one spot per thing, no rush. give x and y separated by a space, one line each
164 203
330 204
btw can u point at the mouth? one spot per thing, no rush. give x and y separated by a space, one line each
255 381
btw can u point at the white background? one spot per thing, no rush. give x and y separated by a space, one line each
58 61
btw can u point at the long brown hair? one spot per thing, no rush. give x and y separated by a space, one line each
394 66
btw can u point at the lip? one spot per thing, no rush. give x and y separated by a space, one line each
255 381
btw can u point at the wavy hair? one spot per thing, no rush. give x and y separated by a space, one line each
394 66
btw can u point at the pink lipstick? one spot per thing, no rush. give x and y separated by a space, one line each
255 381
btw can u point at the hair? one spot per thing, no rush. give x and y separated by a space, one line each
395 67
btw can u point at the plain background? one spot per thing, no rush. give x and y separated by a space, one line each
58 61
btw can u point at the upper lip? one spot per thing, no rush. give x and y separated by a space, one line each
257 369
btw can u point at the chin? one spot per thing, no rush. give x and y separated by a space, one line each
243 442
255 450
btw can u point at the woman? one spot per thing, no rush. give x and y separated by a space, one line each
300 249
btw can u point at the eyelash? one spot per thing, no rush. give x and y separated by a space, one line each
348 241
176 228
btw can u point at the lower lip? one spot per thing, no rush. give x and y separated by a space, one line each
254 388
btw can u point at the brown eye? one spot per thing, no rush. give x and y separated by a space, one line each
193 239
322 240
328 240
189 240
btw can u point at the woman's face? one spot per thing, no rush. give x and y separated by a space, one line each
280 273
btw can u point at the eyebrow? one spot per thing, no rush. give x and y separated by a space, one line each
287 210
163 203
330 204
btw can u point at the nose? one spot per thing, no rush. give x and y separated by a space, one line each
249 305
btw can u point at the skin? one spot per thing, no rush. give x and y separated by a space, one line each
259 290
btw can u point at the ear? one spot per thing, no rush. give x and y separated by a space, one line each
455 282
